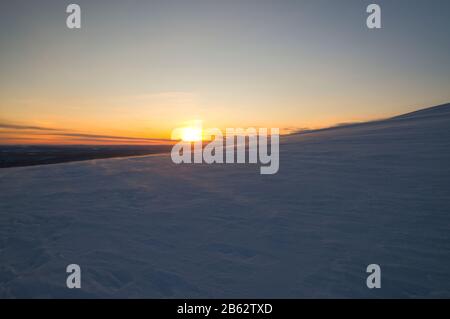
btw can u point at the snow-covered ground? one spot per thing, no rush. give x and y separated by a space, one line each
344 198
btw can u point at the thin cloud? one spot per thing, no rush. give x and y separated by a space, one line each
32 130
83 135
27 127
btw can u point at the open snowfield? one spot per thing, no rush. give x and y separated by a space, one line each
143 227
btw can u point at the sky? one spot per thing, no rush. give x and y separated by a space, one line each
139 69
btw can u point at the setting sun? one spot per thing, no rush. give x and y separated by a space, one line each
191 134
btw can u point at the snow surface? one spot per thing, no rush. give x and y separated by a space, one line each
143 227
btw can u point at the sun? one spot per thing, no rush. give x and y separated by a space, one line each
191 131
191 134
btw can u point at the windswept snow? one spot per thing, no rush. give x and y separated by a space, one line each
344 198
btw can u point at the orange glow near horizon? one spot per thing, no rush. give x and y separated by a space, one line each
191 131
149 123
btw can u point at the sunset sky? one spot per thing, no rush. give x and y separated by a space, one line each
138 69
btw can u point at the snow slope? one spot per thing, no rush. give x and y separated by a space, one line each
344 198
